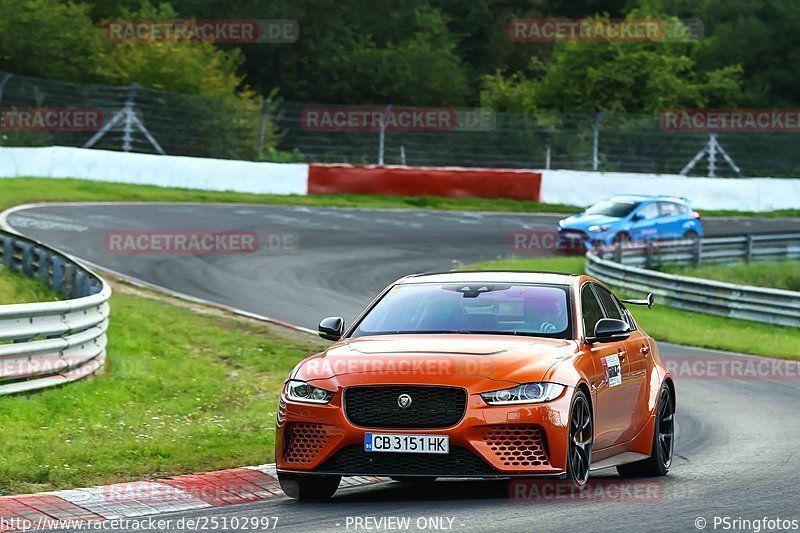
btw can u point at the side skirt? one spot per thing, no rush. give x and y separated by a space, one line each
619 459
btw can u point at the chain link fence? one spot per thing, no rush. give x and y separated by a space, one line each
145 120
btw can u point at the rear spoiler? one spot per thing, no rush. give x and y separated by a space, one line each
648 301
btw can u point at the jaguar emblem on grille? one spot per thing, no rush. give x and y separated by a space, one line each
404 401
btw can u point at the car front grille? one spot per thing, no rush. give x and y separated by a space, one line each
431 407
521 445
459 462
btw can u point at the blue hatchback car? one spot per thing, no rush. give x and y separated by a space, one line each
621 219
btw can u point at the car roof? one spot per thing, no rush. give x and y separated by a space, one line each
491 276
647 198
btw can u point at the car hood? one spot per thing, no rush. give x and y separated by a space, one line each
451 358
584 221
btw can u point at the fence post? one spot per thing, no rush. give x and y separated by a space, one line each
547 158
618 252
596 140
382 134
3 84
262 132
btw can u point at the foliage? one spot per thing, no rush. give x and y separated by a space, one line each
274 155
640 77
47 38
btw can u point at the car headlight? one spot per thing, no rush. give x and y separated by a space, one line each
527 393
598 228
300 391
561 223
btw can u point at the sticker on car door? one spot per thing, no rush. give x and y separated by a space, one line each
613 370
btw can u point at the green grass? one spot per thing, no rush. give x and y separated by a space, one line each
782 275
16 288
183 392
682 327
17 191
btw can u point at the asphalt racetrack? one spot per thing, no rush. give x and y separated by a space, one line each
737 440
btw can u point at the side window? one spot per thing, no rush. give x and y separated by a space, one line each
648 212
668 209
590 309
609 303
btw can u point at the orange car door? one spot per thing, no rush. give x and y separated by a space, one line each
635 378
612 402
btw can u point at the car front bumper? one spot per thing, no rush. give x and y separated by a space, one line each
489 441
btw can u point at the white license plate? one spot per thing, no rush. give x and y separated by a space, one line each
397 442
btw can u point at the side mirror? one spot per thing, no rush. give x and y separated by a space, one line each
610 330
331 328
636 217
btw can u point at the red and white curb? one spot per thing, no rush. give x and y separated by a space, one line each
142 498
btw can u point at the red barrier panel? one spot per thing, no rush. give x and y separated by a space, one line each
425 181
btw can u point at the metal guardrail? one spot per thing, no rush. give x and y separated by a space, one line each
51 343
630 267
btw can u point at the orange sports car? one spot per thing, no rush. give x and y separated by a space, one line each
479 375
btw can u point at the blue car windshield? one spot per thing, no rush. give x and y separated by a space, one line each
500 309
612 208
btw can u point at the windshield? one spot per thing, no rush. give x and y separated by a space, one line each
503 309
612 208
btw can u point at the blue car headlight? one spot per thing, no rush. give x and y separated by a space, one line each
598 228
525 393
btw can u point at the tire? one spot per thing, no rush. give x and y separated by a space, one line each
691 235
663 442
413 479
581 437
621 238
309 487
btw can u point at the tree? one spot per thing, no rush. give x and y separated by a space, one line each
642 77
47 38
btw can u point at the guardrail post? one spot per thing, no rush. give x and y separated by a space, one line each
44 266
80 284
69 279
58 274
618 252
748 251
698 252
648 261
27 259
8 252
